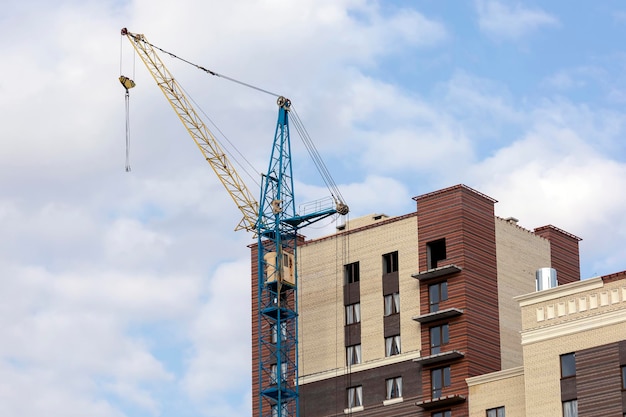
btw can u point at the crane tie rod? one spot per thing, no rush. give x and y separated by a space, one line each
208 71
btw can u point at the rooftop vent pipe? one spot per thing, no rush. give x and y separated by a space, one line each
545 278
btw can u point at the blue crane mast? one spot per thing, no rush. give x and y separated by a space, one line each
277 234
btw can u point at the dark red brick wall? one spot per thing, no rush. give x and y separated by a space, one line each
465 218
564 254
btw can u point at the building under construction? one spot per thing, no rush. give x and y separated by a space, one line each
397 313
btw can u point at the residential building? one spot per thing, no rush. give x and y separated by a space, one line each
396 313
574 355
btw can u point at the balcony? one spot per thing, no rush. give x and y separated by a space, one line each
446 401
437 272
438 358
438 315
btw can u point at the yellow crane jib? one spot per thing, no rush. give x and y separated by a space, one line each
201 135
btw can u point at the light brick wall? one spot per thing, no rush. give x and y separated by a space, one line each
519 254
508 387
570 329
321 320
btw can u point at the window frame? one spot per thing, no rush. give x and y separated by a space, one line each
391 304
574 410
496 412
393 388
444 413
435 252
356 398
353 313
443 332
445 378
285 410
354 355
623 370
352 273
441 295
567 361
274 331
392 342
390 262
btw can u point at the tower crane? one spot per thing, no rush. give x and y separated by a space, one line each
275 223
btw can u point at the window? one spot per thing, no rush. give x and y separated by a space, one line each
394 387
283 332
353 355
440 378
274 373
353 313
447 413
436 294
496 412
435 252
351 272
392 303
355 396
568 365
392 345
390 262
284 410
570 408
623 376
439 336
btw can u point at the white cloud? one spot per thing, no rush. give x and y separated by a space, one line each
220 358
502 20
117 288
561 172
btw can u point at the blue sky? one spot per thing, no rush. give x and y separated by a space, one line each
119 291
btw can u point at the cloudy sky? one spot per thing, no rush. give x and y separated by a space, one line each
127 294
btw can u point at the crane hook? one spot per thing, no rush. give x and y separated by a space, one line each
127 83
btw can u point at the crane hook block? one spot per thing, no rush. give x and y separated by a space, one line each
127 82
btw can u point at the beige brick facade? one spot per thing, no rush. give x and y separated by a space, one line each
498 389
519 254
569 318
321 261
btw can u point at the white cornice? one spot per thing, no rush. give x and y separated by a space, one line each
495 376
558 292
574 326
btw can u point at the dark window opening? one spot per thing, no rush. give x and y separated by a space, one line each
392 346
624 377
353 313
392 304
568 365
435 251
390 262
355 396
440 379
393 388
351 272
496 412
439 336
446 413
570 408
436 294
353 355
